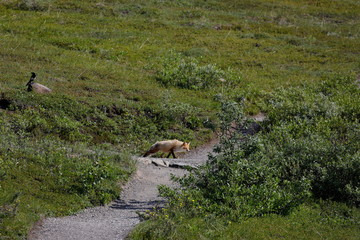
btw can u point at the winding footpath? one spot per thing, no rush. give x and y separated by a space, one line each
117 219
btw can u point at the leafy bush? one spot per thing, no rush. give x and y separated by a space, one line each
189 74
311 134
64 118
231 183
308 147
34 5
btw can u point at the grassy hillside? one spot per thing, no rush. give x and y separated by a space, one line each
110 51
127 73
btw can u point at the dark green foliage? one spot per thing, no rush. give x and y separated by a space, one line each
186 72
307 151
65 118
312 134
232 183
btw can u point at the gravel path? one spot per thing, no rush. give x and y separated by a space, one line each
116 220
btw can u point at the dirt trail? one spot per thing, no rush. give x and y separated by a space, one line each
116 220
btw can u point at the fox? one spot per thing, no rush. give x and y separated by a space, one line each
168 146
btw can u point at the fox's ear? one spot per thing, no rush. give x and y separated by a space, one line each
189 143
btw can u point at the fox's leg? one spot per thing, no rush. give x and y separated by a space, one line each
172 152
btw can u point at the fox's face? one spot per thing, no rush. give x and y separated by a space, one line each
186 146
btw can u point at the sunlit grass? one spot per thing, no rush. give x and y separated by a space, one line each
101 60
310 221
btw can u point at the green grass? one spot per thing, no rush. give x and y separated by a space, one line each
124 42
50 177
310 221
102 60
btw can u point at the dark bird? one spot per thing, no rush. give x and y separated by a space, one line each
31 81
36 87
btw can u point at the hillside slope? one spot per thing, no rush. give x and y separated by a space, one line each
127 73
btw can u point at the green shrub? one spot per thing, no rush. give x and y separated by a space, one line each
189 74
34 5
233 184
65 118
307 148
311 134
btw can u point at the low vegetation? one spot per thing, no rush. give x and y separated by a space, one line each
124 74
301 169
185 72
322 220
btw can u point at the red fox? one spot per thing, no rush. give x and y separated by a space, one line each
169 146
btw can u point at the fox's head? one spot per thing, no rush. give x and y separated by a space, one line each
186 146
